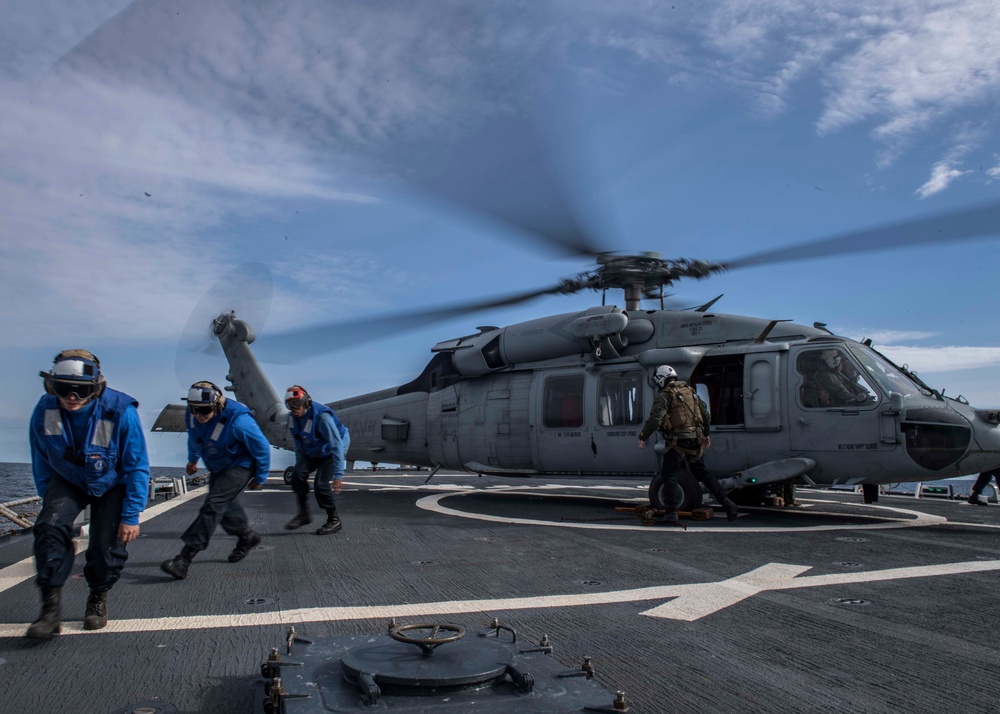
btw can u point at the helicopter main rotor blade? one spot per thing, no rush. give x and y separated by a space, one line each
295 345
505 171
967 224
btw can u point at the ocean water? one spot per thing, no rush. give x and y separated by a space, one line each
16 481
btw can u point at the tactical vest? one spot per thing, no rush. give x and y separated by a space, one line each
307 438
219 449
683 415
97 469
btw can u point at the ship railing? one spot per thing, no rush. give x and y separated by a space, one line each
20 520
167 486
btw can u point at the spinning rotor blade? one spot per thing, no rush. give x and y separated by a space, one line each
247 290
961 225
505 171
294 345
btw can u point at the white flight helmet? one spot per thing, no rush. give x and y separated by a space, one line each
663 374
831 358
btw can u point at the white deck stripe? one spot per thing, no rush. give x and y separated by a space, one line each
693 600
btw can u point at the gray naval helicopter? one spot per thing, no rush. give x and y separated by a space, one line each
566 395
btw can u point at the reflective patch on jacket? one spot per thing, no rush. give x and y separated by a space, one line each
102 433
53 423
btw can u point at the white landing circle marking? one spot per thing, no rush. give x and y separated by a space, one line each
433 503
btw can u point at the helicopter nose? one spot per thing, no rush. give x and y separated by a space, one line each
984 452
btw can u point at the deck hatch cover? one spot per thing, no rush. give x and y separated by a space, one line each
474 675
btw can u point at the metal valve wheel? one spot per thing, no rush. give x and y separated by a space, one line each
431 641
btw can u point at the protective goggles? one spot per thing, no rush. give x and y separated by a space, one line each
81 390
201 409
295 403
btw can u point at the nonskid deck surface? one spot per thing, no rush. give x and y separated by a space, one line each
831 606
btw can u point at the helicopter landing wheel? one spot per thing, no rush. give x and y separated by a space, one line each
287 476
689 495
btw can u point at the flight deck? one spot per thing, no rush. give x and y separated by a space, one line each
832 605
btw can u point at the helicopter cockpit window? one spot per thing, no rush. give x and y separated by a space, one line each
620 399
885 374
563 402
831 379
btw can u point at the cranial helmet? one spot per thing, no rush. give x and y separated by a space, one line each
297 396
664 374
831 358
75 372
205 398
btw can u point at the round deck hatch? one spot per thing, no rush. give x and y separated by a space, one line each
403 668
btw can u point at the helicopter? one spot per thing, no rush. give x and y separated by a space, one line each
566 395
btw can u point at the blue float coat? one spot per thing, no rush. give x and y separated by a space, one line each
239 441
128 459
334 438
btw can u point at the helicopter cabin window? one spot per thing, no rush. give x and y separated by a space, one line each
620 399
563 402
831 379
719 382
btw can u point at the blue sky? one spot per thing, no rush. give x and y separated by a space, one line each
149 148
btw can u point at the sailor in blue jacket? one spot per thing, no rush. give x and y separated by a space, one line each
321 443
87 449
223 433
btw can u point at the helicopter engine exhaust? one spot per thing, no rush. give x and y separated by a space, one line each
599 331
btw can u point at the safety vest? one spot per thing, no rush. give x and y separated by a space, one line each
307 437
97 469
683 415
219 448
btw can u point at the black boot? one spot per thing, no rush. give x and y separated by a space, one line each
332 524
247 542
715 488
974 499
303 518
96 615
49 621
178 567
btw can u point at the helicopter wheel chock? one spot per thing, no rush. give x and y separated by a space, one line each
689 498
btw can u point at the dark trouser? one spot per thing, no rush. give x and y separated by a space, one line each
54 548
323 466
220 507
984 480
674 464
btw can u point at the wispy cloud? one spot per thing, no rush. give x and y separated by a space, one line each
925 358
881 336
901 66
942 359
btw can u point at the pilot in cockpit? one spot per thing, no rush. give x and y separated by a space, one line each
836 388
830 385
